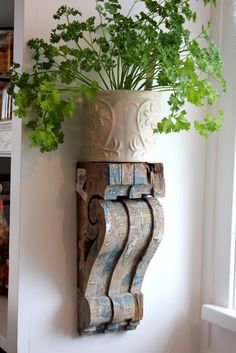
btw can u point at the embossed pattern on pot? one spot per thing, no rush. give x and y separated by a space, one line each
119 126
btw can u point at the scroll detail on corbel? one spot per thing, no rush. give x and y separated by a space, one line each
120 226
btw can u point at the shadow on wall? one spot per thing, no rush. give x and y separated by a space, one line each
71 152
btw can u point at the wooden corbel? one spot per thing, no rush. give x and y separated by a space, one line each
120 226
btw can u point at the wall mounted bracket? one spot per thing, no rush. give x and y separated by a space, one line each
120 226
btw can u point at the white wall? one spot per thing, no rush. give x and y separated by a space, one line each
47 267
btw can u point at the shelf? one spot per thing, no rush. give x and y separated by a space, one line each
3 322
5 138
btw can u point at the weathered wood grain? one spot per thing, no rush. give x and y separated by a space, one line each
120 226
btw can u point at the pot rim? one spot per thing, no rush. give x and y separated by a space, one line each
127 90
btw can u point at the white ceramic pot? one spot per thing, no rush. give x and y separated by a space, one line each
119 126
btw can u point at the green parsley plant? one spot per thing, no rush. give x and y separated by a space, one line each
140 50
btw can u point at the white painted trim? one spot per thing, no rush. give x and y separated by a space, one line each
219 316
14 248
15 201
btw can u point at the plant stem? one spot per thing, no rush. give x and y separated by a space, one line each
135 2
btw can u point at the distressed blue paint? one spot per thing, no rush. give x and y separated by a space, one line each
109 258
113 327
138 279
123 300
109 254
106 311
125 281
139 180
119 300
107 206
115 174
128 299
113 192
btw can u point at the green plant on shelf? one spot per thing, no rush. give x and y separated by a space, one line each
151 49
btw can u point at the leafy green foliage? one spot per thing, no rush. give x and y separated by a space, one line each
146 50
